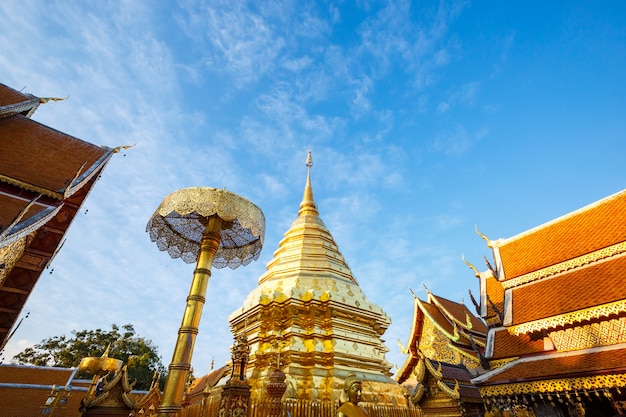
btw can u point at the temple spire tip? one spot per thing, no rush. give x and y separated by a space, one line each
308 207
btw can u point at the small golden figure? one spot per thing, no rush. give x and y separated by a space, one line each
352 387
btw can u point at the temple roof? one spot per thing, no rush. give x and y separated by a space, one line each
459 314
453 320
591 228
45 175
592 285
509 345
594 361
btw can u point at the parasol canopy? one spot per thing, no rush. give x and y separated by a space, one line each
179 222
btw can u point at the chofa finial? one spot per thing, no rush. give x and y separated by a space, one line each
489 241
472 267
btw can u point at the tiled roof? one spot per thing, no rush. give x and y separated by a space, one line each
508 345
495 292
10 96
41 156
557 366
586 287
459 313
586 230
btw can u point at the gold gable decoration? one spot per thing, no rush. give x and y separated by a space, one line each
584 315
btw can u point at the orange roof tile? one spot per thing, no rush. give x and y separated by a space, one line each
586 287
591 228
555 366
507 345
495 292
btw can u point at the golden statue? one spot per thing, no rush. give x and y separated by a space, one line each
351 408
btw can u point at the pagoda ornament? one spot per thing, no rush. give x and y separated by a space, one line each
211 227
235 396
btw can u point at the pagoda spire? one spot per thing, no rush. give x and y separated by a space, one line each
308 206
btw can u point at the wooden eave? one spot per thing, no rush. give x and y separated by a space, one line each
588 229
20 280
587 287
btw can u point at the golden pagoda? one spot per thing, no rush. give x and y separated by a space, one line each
309 318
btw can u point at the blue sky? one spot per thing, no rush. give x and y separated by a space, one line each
425 119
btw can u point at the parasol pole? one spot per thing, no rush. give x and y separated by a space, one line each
181 358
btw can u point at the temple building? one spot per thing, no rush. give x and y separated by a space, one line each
555 303
45 176
309 321
445 350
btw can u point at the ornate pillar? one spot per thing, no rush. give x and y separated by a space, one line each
235 399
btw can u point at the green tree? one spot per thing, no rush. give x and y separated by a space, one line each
138 353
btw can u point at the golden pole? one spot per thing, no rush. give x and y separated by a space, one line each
181 358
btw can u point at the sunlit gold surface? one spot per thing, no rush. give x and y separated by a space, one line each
100 366
309 313
177 226
213 228
582 384
584 315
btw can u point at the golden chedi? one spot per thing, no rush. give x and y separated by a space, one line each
309 317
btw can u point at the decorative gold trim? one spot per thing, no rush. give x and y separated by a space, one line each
492 321
556 385
453 337
452 392
419 393
419 371
9 255
499 363
604 333
565 266
471 361
569 318
434 372
31 187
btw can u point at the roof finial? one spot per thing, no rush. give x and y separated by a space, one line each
489 241
308 207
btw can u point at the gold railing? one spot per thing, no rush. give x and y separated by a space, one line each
300 408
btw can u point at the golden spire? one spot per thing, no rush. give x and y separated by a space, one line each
307 206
